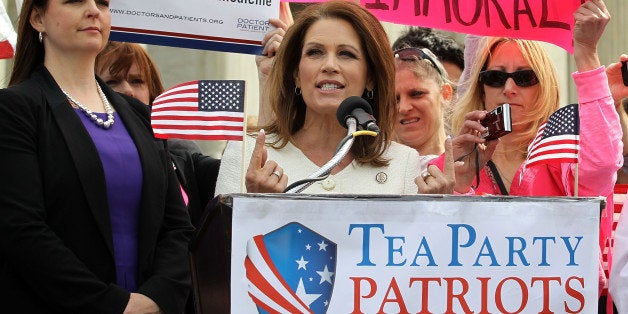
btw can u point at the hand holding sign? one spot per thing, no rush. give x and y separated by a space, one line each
590 20
270 44
264 62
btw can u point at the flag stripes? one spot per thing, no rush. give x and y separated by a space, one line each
557 140
266 284
200 110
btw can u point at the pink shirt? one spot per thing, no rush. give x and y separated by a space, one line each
600 154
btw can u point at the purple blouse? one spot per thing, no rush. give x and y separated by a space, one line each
123 175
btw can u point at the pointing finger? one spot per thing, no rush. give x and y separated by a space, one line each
258 158
448 167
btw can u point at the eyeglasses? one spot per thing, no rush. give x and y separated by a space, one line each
494 78
415 54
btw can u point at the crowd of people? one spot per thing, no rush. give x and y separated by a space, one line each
98 214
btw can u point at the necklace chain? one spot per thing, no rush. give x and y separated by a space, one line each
90 114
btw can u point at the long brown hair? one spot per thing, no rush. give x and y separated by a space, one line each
117 59
29 52
289 108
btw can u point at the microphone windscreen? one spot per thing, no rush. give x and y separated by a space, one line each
350 104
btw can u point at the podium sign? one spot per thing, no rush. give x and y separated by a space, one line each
413 254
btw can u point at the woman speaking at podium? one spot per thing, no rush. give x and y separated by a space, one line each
333 50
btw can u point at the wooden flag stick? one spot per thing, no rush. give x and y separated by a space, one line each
576 181
244 157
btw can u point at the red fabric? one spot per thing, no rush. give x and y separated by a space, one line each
6 50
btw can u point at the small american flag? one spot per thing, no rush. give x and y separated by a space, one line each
558 139
200 110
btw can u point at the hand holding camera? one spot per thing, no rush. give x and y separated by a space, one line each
498 122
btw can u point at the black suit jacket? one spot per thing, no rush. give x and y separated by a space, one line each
56 248
197 174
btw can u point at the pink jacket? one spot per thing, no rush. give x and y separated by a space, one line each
600 154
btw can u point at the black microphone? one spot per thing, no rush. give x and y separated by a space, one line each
359 109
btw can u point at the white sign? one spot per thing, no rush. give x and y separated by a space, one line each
414 254
223 25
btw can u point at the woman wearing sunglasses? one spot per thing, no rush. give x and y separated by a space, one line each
519 72
513 71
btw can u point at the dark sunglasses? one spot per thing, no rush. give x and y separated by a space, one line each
415 54
494 78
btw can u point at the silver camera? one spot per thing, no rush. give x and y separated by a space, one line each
498 122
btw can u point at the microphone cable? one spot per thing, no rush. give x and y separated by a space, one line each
309 181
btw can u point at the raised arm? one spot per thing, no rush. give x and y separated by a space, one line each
264 62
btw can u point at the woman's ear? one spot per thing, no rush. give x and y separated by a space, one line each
36 20
370 85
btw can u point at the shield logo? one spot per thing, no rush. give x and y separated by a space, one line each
291 270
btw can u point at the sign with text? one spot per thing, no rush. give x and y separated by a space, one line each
413 254
546 20
223 25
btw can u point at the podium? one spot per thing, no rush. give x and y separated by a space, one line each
210 258
415 253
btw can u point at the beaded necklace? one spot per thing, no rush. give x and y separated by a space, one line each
91 115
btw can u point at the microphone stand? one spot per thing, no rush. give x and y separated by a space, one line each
325 170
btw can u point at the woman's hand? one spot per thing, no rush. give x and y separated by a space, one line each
590 20
433 181
464 150
141 304
264 176
616 82
271 42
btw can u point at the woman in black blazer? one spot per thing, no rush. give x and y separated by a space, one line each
128 69
85 226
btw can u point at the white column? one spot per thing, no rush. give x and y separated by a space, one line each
5 65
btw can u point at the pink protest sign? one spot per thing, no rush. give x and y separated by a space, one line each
546 20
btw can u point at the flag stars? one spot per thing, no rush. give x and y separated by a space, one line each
222 96
308 247
325 275
201 104
322 246
301 263
307 298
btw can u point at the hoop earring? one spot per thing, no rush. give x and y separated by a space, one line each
297 91
369 94
41 37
